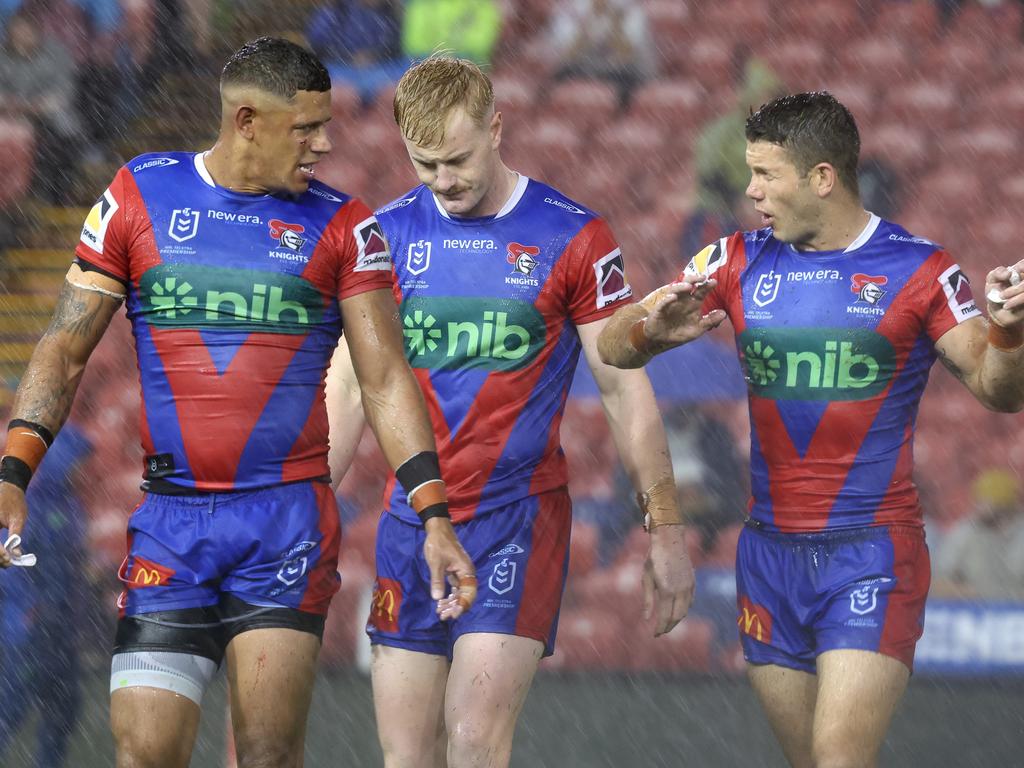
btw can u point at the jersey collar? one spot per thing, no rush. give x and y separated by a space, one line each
512 202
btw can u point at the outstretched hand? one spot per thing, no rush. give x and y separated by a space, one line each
674 312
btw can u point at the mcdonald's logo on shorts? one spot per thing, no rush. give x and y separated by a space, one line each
146 573
386 605
754 620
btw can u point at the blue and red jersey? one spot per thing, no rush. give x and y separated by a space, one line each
836 348
234 304
489 309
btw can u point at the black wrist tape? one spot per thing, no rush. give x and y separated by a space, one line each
422 469
434 510
15 471
39 429
419 469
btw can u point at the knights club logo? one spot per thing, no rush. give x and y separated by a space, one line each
868 287
288 235
184 224
521 257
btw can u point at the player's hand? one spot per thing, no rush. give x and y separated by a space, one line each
1005 296
674 312
447 560
668 578
13 513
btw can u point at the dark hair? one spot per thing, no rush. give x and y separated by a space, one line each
813 128
276 66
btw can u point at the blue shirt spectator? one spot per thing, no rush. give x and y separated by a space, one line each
359 33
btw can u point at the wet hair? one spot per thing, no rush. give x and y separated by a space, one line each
276 66
430 90
813 128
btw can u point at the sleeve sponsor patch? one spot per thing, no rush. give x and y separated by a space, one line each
373 247
709 260
611 279
95 227
958 292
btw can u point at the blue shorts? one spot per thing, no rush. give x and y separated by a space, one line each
799 595
274 547
521 554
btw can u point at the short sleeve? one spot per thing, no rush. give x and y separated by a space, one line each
106 234
596 274
365 256
713 260
951 301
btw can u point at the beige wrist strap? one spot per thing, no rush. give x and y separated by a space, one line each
659 505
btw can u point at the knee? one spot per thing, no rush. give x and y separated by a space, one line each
472 742
841 756
258 751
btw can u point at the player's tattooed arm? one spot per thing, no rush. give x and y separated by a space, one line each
80 318
991 374
950 365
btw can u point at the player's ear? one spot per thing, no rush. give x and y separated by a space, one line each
245 117
823 179
495 129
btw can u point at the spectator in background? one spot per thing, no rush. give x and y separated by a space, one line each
709 473
603 39
360 42
466 28
719 152
880 187
982 556
40 609
37 80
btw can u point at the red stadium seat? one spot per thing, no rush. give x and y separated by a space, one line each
911 23
820 19
931 104
903 146
514 93
998 25
679 105
859 97
952 188
737 21
802 64
1001 104
544 144
985 147
672 30
346 103
709 61
959 63
16 144
582 549
587 103
877 62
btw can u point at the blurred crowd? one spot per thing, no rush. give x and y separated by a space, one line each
634 107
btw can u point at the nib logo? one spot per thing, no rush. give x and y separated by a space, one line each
421 333
762 367
170 298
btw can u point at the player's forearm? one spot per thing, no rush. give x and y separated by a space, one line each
614 344
999 383
48 387
398 417
50 381
638 432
